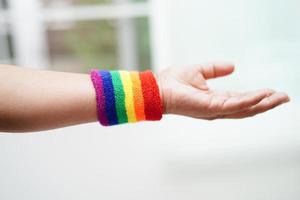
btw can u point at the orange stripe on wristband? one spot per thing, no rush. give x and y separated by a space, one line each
138 96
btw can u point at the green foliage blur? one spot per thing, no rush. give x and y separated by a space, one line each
95 42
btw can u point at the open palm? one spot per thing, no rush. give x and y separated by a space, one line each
185 92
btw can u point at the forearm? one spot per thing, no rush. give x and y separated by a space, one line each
33 100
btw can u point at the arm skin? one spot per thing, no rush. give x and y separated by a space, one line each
35 100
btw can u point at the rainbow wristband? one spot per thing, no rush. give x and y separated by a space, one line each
126 97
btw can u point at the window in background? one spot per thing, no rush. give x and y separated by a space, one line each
3 4
6 53
82 45
83 2
99 36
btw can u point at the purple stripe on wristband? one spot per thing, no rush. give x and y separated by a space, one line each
98 85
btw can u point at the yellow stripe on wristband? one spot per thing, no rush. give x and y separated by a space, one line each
129 98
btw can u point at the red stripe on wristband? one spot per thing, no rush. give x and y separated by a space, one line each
152 101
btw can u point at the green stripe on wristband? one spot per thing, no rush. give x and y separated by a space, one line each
119 97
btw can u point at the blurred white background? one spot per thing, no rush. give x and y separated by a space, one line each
177 158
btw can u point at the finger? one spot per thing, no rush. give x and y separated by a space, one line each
216 70
244 101
266 104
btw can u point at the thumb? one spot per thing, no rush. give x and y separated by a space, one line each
216 70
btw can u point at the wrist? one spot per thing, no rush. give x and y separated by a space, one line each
161 94
126 97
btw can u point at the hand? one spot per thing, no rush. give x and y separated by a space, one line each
184 91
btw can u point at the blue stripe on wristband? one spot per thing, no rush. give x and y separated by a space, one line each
110 101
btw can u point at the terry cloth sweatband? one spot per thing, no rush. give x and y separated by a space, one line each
126 97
